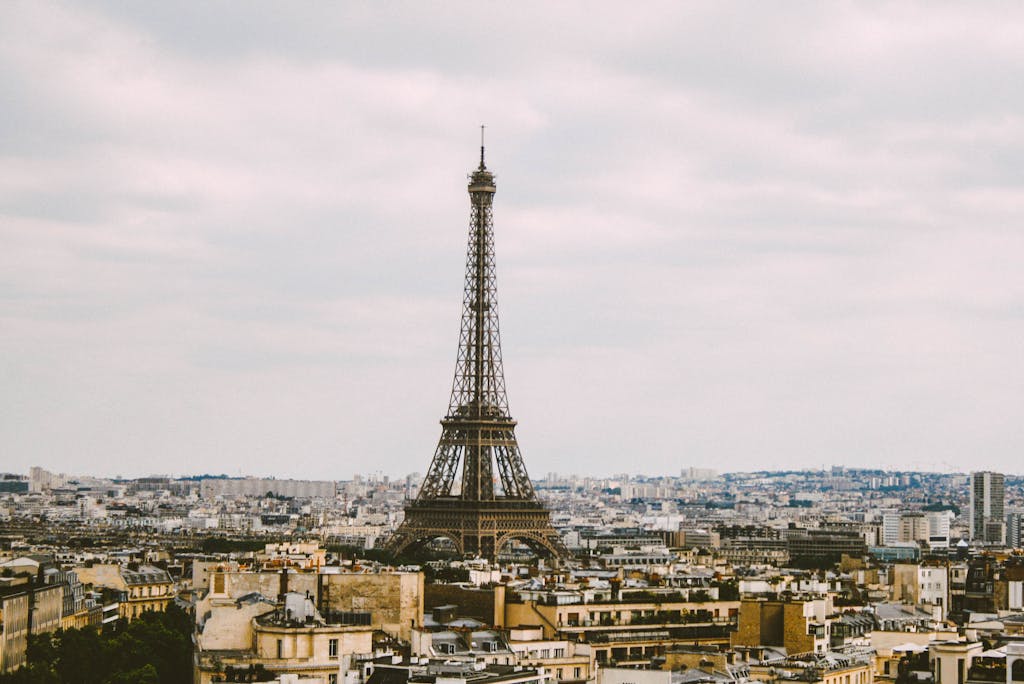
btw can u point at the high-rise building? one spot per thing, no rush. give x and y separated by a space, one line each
938 528
697 474
913 527
988 523
890 527
1014 529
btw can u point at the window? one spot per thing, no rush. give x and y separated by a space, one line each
332 679
332 648
575 673
559 652
280 649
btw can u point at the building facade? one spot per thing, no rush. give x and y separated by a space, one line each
988 524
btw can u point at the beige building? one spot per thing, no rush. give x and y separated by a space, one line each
799 626
913 527
926 585
890 647
145 587
952 659
26 610
13 630
857 670
854 674
616 675
564 660
393 600
256 635
305 555
626 631
576 618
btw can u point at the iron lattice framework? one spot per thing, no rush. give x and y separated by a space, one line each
478 512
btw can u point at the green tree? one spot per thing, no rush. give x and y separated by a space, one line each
146 674
156 648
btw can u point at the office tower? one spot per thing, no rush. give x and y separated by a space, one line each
1014 528
987 520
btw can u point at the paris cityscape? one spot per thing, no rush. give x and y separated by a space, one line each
474 572
712 577
751 414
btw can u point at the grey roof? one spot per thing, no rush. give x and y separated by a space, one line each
900 611
146 574
694 675
251 598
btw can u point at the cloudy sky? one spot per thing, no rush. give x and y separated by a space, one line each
730 235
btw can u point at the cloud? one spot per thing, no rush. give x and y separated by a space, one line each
732 233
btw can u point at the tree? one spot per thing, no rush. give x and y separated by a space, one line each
156 648
146 674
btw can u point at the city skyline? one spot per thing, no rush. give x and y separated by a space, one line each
690 474
728 236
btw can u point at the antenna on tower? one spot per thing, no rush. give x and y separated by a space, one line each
482 145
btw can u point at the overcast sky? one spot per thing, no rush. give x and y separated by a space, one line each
729 235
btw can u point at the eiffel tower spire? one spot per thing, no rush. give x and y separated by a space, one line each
479 512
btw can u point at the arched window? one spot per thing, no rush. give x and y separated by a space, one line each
1017 671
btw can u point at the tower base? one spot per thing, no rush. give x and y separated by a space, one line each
481 528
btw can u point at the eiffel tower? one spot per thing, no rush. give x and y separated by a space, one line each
478 512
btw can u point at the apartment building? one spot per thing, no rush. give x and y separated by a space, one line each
143 587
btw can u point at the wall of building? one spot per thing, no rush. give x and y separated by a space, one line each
311 643
795 621
904 582
554 618
14 636
485 605
618 675
851 675
47 605
395 599
233 584
952 660
782 623
102 575
228 625
760 624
